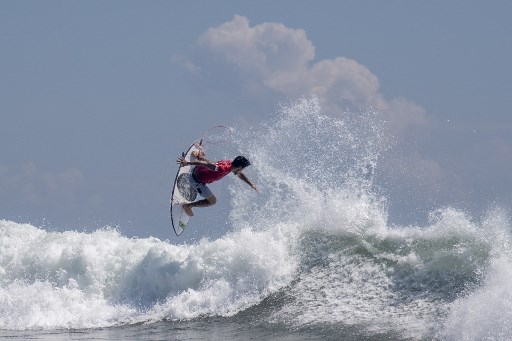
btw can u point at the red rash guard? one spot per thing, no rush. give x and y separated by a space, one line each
203 174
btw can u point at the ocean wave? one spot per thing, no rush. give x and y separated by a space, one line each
314 249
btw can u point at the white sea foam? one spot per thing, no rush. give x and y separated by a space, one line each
485 313
82 280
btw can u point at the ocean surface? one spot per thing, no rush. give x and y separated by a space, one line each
312 257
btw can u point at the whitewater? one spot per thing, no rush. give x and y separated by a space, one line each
312 257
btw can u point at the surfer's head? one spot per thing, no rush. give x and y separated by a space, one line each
240 161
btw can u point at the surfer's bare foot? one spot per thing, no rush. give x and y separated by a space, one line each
188 210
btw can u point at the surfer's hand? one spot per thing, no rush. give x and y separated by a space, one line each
199 154
181 161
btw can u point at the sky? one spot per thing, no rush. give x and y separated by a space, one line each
98 98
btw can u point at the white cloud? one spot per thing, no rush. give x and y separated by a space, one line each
405 116
501 154
187 64
281 60
265 49
29 185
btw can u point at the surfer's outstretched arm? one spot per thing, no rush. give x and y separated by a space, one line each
245 179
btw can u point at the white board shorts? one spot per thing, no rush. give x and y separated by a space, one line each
200 188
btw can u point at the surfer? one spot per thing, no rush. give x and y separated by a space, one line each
207 172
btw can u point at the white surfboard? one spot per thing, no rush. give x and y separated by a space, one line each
182 193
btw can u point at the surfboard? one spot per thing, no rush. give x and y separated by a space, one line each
183 193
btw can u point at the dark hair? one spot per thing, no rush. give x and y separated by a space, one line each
240 161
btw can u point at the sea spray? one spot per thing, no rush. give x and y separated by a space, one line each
303 157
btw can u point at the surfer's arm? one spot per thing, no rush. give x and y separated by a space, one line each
245 179
204 162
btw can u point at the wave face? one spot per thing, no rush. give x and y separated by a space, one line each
313 251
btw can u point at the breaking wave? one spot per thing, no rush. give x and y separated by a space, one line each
314 250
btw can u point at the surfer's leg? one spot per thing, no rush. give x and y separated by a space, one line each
209 200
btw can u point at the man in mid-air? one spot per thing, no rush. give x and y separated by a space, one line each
207 172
